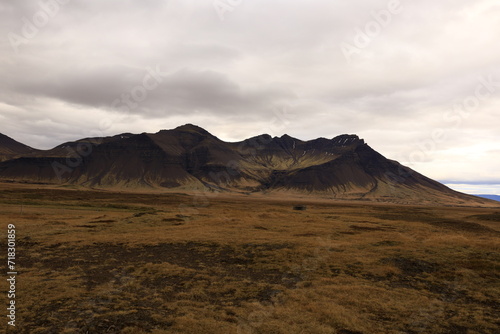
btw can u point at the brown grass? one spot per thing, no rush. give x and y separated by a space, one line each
105 262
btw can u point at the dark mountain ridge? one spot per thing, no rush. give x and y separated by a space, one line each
190 158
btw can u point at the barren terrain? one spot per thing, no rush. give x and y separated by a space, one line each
111 262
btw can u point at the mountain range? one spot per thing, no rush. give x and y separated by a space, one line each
191 159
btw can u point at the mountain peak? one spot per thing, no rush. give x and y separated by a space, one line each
346 139
192 128
188 126
287 137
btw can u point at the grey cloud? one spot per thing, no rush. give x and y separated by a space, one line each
189 90
94 87
183 91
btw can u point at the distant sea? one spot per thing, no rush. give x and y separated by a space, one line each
493 197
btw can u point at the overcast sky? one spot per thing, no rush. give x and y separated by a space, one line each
418 80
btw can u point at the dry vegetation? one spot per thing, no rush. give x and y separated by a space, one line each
106 262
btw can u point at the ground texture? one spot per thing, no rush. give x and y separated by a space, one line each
109 262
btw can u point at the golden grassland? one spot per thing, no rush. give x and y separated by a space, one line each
110 262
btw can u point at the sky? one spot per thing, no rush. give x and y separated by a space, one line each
418 80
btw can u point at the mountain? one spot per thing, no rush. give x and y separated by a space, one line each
190 158
9 148
492 197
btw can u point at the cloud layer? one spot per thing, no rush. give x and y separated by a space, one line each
420 81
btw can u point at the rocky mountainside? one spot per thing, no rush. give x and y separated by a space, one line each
190 158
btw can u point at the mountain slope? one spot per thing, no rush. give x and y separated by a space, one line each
190 158
9 148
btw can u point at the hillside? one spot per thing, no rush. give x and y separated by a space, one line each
9 148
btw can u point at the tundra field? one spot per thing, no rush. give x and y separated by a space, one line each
93 261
